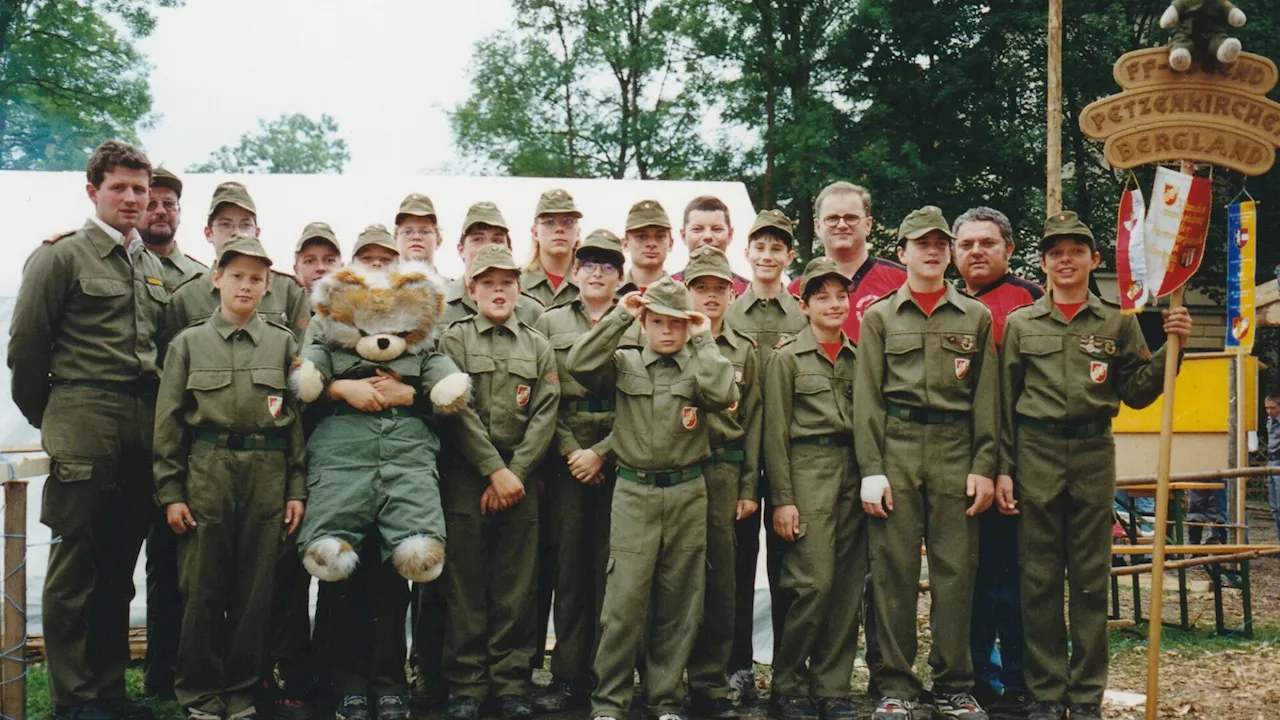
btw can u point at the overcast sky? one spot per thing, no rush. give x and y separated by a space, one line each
386 70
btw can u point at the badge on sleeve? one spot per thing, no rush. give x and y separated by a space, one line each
734 407
1098 371
689 417
962 368
523 392
275 403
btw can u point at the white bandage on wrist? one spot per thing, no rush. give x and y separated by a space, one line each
873 487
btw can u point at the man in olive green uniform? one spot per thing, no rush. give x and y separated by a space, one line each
159 228
82 350
417 234
548 277
731 476
483 225
663 394
229 471
317 254
1068 361
578 498
493 525
767 314
928 383
648 240
232 211
808 451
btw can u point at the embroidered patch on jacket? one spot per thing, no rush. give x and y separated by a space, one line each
689 417
1098 371
962 368
523 392
275 403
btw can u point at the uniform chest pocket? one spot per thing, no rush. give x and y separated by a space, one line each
269 377
157 292
634 385
1040 345
563 341
524 374
1102 347
207 380
961 343
903 343
104 287
810 385
522 368
476 363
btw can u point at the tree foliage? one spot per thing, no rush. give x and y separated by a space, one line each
290 144
69 79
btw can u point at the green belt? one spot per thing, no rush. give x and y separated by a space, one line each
732 451
237 441
341 408
135 388
825 440
589 404
1092 428
660 478
925 416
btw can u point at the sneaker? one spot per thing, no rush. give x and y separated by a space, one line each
1081 711
392 707
515 707
835 708
798 707
352 707
712 708
1047 710
559 696
895 709
742 686
961 706
1012 706
461 707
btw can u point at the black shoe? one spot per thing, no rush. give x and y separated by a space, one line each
1012 705
835 708
352 707
713 708
428 694
461 707
392 707
515 707
90 710
160 689
985 694
127 709
559 696
1047 710
799 707
1081 711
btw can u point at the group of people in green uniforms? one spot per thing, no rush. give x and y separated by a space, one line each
627 435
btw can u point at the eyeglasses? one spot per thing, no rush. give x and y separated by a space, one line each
834 220
416 232
168 205
247 226
591 266
550 221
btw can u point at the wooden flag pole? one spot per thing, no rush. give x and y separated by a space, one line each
1053 130
1242 444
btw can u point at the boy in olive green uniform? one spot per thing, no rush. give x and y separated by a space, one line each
648 240
231 212
767 314
1068 361
483 225
658 524
580 479
229 472
731 476
926 444
491 497
808 450
548 277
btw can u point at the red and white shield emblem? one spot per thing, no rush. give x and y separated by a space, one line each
522 395
1098 371
734 407
689 417
962 368
275 403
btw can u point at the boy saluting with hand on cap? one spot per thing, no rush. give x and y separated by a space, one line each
1068 361
927 451
229 471
658 532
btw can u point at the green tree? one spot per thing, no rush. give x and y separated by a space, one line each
290 145
69 79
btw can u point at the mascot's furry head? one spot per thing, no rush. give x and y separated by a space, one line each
380 315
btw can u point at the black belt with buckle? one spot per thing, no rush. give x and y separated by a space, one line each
925 416
1074 430
242 441
661 478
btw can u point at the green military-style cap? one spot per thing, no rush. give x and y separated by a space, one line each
418 205
485 213
922 222
601 241
556 201
317 231
161 177
242 244
376 234
1065 224
233 193
707 261
668 297
492 257
821 268
647 213
774 221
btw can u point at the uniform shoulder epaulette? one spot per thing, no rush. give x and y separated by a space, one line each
206 267
1108 303
540 303
784 342
58 236
275 323
882 298
284 274
188 281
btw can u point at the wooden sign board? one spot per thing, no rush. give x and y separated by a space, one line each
1221 116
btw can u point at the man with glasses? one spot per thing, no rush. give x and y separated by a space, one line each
159 230
417 235
548 276
232 212
842 220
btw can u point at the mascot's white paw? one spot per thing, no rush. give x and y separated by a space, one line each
1180 59
452 393
419 558
306 382
330 559
1236 17
1169 18
1229 51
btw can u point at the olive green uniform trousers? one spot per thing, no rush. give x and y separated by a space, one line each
710 657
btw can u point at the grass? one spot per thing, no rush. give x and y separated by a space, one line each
39 708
